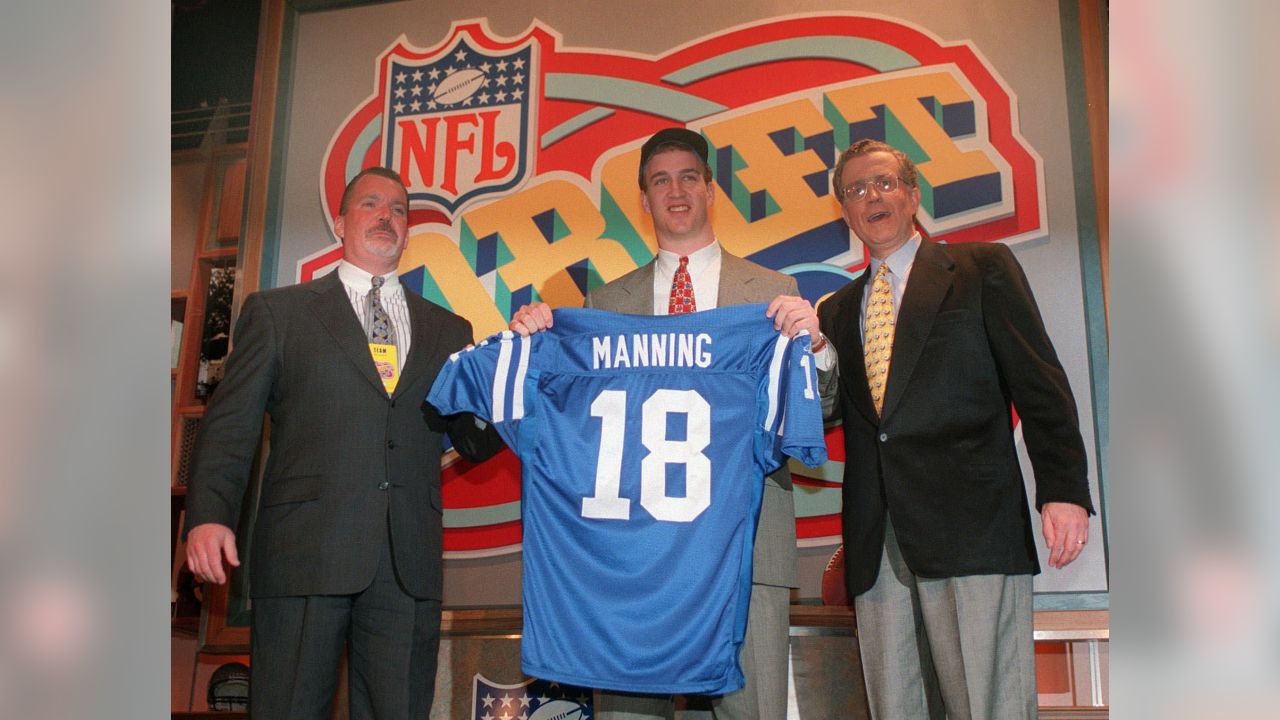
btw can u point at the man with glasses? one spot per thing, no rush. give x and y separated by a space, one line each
938 344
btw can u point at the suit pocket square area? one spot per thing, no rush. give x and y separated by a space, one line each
299 488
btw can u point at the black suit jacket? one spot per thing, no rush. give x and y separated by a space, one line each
941 459
344 457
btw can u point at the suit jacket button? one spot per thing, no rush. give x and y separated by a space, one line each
391 444
384 485
884 437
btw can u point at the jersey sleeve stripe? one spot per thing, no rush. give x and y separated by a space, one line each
775 377
500 376
517 393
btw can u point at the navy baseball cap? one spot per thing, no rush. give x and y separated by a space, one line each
682 137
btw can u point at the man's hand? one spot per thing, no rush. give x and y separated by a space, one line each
792 314
207 544
1066 530
531 318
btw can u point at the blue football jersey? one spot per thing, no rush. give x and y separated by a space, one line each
644 443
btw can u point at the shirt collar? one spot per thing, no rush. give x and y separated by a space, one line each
900 261
362 280
698 259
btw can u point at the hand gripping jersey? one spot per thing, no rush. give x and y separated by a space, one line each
644 443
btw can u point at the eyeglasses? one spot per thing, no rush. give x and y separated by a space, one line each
857 190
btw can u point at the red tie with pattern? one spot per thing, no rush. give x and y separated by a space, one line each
682 291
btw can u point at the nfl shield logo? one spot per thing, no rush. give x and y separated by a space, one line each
456 124
529 700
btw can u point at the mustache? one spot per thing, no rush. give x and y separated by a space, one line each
382 226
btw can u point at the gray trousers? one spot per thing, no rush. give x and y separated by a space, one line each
764 663
958 648
391 638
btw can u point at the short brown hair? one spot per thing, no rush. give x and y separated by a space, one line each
378 170
906 168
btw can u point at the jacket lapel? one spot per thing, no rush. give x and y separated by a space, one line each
854 356
637 295
930 278
423 346
735 282
333 308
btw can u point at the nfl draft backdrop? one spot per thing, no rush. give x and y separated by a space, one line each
520 152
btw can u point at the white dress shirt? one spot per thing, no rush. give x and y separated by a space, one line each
358 283
899 263
704 273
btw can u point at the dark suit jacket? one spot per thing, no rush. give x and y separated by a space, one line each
344 458
941 459
741 282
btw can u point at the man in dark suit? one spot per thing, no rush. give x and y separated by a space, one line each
939 548
678 193
347 540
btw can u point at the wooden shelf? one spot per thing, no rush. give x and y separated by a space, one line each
206 238
1073 625
510 621
488 621
188 626
1074 713
217 253
822 616
201 155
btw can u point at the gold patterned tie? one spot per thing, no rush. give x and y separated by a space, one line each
877 337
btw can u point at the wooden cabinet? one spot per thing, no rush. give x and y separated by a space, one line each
208 195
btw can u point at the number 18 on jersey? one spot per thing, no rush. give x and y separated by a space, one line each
644 443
